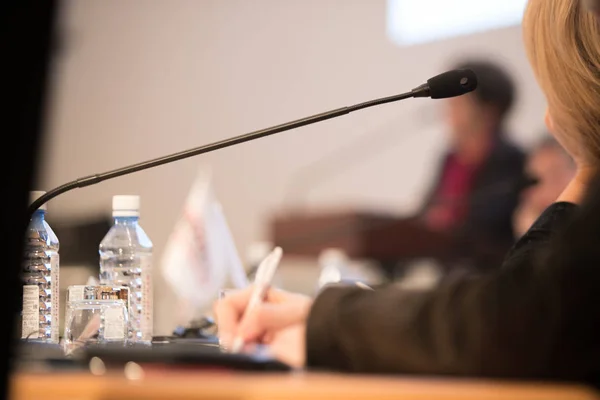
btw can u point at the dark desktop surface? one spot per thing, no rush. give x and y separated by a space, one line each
164 350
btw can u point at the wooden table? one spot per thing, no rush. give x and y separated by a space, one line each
187 385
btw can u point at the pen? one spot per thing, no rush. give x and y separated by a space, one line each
262 282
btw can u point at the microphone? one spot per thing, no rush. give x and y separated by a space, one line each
448 84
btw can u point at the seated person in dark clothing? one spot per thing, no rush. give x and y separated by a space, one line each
553 169
536 317
476 189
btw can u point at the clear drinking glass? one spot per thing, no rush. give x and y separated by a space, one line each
95 315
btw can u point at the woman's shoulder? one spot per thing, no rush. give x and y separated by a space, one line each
551 221
555 216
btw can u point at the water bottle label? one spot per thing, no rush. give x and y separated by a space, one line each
54 265
146 323
76 292
31 312
114 324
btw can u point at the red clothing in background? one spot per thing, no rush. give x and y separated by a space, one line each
450 202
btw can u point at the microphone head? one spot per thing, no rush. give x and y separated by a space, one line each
452 83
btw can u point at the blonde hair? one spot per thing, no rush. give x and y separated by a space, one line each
562 42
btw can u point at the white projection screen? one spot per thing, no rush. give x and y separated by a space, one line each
411 22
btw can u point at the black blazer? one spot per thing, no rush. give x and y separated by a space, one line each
536 317
487 233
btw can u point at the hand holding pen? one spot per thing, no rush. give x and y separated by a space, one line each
277 321
262 283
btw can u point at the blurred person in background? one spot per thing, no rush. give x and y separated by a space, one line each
592 5
535 318
476 189
553 169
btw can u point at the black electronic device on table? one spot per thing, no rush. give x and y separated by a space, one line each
212 341
33 355
203 353
185 353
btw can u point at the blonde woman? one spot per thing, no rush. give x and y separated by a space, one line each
563 46
537 317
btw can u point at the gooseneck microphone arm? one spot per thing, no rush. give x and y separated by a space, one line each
449 84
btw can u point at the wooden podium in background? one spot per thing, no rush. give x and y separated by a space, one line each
384 238
361 235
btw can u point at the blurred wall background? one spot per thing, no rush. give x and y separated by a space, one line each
138 79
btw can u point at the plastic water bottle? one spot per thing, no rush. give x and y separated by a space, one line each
333 267
39 315
336 267
126 260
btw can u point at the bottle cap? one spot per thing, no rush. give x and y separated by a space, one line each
332 256
36 194
126 206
